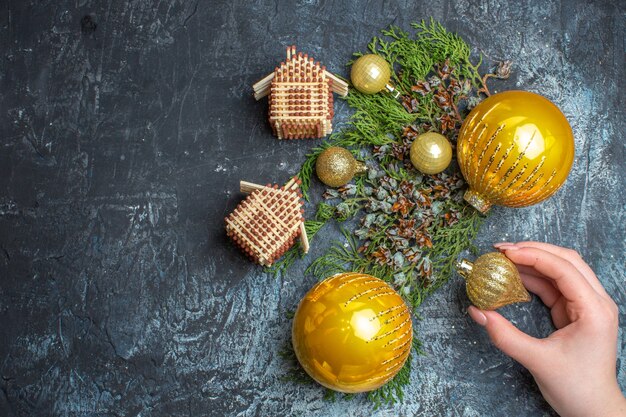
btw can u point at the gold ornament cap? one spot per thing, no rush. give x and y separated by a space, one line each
370 74
431 153
336 166
477 201
492 281
352 332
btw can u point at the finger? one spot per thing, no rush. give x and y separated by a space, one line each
529 270
523 348
573 257
559 315
568 279
550 296
542 287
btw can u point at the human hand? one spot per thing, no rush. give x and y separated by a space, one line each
575 366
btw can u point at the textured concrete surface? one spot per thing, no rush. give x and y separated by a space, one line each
122 140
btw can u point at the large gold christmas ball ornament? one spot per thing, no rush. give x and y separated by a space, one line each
431 153
371 74
352 332
336 166
492 281
514 149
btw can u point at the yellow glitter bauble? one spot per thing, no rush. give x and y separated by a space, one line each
370 74
514 149
492 281
352 332
336 166
431 153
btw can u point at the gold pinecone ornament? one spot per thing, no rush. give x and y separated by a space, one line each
492 281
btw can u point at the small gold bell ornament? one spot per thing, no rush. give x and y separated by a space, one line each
370 74
514 149
352 332
336 166
492 281
431 153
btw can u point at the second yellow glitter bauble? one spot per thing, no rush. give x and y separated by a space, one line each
370 73
336 166
431 153
352 332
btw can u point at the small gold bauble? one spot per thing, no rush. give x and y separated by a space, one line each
431 153
352 332
514 149
370 74
336 166
492 281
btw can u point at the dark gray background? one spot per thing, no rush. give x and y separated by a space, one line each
121 150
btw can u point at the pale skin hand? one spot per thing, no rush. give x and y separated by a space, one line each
575 367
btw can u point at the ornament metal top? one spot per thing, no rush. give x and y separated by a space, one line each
371 74
352 332
515 149
301 97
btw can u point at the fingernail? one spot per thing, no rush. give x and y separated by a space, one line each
506 246
477 315
498 244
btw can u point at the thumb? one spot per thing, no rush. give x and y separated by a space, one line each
525 349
